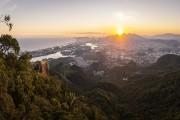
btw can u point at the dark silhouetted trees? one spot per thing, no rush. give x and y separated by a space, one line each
6 19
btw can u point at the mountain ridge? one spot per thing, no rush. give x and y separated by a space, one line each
167 36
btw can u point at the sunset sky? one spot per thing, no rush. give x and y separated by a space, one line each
99 17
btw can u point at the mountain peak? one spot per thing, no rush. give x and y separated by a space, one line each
167 61
129 36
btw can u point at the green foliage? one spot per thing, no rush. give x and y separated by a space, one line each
26 94
8 45
6 19
108 102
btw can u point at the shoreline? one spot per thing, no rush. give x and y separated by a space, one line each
68 50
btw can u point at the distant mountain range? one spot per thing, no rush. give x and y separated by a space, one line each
133 36
127 37
167 36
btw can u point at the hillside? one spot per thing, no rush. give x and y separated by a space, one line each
28 94
153 97
168 61
145 96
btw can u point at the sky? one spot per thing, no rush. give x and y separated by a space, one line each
87 17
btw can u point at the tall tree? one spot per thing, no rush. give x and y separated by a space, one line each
8 45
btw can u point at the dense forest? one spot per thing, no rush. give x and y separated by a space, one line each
27 94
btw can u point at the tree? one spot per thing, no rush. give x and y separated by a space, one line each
23 63
6 19
8 45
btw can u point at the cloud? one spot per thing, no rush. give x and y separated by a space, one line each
4 2
13 7
125 16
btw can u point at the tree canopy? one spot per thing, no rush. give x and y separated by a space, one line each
8 45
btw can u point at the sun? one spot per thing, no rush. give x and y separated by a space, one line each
120 31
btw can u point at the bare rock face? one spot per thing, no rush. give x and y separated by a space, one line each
42 67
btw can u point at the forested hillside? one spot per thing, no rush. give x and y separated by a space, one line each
90 60
148 94
27 94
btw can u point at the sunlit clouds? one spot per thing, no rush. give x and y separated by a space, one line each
125 16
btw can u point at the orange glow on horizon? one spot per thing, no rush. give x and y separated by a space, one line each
92 32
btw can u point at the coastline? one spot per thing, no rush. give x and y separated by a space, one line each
72 49
35 44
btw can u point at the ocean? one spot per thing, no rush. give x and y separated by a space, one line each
32 44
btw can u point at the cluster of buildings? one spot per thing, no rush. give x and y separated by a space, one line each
143 53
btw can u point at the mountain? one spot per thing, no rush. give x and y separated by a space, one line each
127 37
29 94
167 43
153 97
167 61
133 36
167 36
